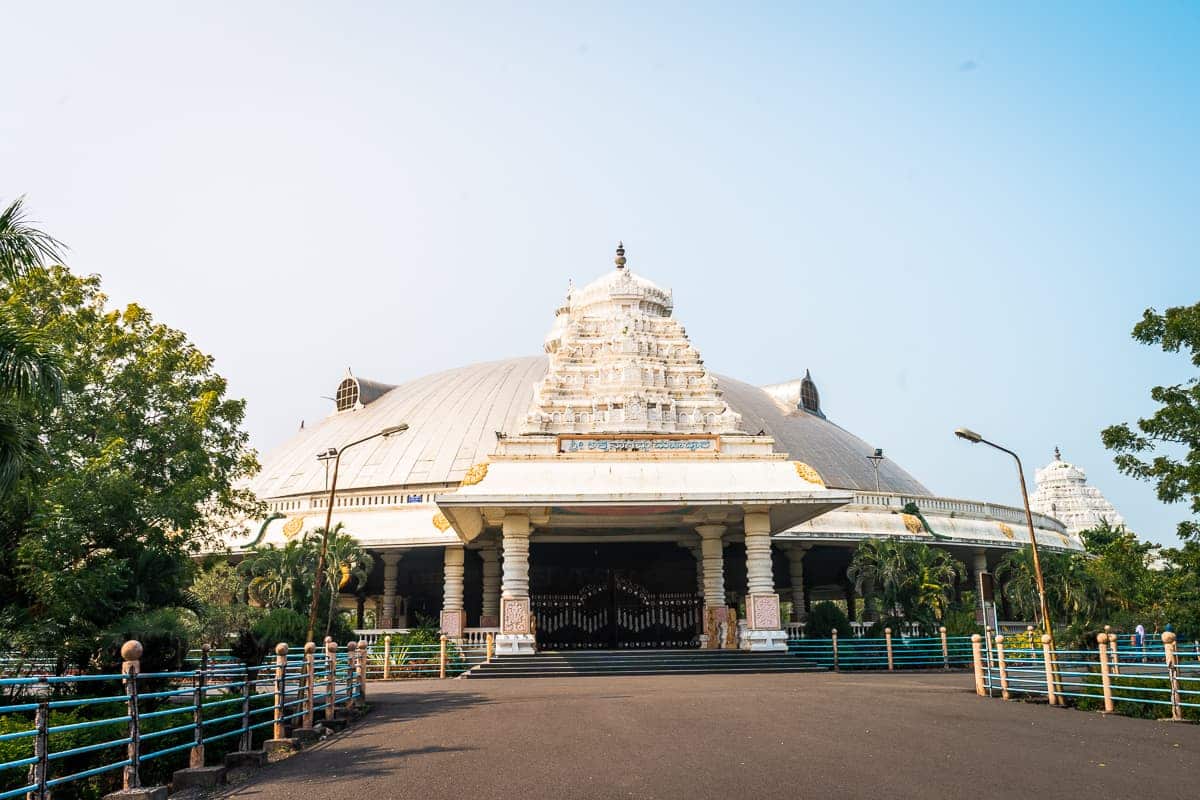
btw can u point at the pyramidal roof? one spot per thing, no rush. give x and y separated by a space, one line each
1062 492
619 363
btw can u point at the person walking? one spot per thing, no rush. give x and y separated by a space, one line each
1139 635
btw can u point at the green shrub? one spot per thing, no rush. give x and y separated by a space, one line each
824 618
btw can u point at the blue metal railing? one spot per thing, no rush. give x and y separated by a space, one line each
914 652
57 734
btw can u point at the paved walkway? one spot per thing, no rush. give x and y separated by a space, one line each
740 737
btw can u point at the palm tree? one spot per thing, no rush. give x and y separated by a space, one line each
347 562
277 577
1072 592
30 374
911 578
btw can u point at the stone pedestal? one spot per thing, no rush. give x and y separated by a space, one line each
453 623
145 793
516 633
198 778
763 631
245 758
279 746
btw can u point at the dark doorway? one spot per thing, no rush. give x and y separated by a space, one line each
619 595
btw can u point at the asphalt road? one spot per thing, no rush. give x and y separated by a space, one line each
788 736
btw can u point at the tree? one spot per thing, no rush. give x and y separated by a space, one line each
909 577
30 374
1149 453
347 561
1072 591
141 463
280 577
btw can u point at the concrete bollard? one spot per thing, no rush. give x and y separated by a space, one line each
945 648
330 678
1113 650
281 651
1048 657
491 646
835 651
977 660
1170 656
1105 672
1002 666
887 636
131 654
310 684
363 653
442 658
131 780
387 657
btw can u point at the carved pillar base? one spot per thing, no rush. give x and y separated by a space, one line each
763 631
453 623
516 627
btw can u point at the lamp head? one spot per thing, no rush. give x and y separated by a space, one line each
878 452
392 430
968 434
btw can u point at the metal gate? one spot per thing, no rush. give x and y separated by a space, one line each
617 613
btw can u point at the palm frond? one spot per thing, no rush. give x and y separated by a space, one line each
22 246
29 370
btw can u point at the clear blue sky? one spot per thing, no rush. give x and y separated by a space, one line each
951 215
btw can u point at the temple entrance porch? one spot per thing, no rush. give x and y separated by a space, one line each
616 595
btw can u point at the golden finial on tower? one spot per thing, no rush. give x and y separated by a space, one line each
620 259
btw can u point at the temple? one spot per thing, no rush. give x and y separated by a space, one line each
611 493
1062 492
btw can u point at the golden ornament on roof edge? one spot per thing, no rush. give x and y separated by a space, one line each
1007 531
440 522
808 473
912 523
292 527
475 474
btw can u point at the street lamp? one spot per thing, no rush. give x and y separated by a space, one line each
391 430
875 459
974 438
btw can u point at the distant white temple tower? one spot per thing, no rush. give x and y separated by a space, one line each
1062 492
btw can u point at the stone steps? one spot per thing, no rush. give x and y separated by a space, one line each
640 662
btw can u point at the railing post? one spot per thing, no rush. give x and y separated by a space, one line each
310 684
1113 650
887 635
1105 672
977 661
1003 667
330 677
945 648
247 688
387 656
196 756
491 645
281 651
1168 640
131 653
835 650
1048 657
442 658
363 650
41 751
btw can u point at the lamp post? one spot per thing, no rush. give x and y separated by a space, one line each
391 430
875 459
974 438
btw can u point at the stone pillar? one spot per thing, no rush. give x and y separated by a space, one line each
978 565
454 618
711 570
391 572
489 615
516 632
764 630
796 555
